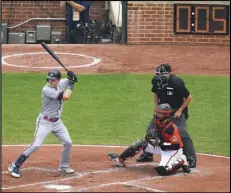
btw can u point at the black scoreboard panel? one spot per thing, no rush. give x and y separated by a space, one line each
201 19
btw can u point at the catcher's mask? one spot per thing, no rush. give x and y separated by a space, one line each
163 73
54 74
162 112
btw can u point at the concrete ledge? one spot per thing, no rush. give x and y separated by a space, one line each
184 2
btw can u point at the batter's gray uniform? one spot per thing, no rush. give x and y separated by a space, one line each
49 120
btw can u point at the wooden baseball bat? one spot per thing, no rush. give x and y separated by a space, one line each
45 46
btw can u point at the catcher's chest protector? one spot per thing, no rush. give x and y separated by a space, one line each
171 134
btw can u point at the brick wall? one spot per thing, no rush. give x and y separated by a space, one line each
15 12
153 24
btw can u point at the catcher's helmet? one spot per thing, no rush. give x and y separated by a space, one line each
53 74
162 73
162 112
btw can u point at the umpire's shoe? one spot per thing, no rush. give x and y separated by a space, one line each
14 170
114 157
192 163
66 170
145 157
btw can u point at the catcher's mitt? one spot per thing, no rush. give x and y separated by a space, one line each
151 137
151 134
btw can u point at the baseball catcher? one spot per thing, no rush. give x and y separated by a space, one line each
164 139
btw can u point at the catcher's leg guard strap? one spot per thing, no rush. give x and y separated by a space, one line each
175 166
133 149
167 170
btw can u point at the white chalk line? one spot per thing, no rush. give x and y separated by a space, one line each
107 146
132 183
29 168
94 62
79 175
114 183
76 175
111 184
45 182
35 168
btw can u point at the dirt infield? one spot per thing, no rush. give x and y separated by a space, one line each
123 58
94 172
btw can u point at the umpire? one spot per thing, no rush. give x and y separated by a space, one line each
78 12
170 89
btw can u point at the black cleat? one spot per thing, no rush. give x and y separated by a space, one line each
145 158
162 171
192 163
186 169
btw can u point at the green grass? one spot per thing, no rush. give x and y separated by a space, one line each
115 109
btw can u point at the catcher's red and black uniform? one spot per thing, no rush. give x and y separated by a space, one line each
169 147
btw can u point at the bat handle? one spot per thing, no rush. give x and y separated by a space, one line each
66 70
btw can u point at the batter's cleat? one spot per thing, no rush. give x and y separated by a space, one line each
186 169
118 161
66 170
14 170
145 157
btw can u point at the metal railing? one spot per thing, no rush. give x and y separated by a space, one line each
38 19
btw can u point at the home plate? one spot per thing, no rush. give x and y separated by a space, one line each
58 187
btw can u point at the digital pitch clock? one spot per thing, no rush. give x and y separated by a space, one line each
201 19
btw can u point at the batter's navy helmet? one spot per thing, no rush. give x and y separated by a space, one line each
53 74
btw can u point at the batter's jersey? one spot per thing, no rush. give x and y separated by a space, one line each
52 106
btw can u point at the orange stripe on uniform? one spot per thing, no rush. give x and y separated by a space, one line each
171 157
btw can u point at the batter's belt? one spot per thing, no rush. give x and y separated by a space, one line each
51 119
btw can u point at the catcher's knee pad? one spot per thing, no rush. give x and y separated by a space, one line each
139 143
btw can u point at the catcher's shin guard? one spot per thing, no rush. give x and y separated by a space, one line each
133 149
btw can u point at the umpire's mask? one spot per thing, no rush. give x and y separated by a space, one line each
162 75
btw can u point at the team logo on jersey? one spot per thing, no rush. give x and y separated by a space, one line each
169 92
174 138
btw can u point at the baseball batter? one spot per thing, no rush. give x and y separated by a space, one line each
54 93
163 139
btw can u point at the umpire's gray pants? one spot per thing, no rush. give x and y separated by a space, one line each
188 149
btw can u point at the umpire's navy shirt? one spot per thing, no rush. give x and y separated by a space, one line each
173 93
84 15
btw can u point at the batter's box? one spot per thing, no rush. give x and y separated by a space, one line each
29 175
